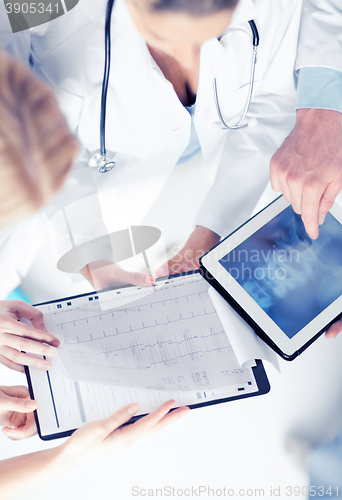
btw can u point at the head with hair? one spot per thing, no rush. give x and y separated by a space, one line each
36 146
179 28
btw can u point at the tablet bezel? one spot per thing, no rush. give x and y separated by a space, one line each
246 305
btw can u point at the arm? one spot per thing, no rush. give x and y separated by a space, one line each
320 37
308 166
105 274
241 179
187 259
87 443
241 157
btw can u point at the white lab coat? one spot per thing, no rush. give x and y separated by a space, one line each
147 126
319 45
320 40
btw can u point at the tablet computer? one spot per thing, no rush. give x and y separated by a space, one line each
189 337
287 286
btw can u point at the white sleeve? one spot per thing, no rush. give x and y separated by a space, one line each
10 278
244 159
243 171
320 37
18 247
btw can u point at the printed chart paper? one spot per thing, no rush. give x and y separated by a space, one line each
171 339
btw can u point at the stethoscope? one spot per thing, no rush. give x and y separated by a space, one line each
240 124
102 159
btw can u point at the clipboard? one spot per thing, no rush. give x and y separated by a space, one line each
65 404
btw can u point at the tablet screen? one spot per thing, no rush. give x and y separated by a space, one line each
290 276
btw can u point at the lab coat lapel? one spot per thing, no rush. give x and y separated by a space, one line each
246 10
227 60
144 114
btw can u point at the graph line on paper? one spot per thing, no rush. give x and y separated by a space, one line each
169 340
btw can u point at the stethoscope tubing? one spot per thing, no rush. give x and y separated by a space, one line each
103 152
106 77
225 126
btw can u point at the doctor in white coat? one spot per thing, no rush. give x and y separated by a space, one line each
166 55
63 59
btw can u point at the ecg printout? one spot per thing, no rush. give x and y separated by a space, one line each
171 339
64 404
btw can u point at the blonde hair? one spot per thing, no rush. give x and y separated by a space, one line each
36 146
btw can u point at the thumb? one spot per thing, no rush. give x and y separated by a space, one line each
17 404
162 271
274 164
133 278
184 261
172 266
327 200
139 279
118 418
334 330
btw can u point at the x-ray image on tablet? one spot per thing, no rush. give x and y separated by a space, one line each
273 267
292 277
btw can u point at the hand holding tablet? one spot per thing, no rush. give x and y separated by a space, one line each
287 286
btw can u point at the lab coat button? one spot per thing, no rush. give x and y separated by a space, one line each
205 114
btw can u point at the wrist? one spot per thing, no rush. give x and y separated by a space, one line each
310 117
202 238
207 235
56 460
63 460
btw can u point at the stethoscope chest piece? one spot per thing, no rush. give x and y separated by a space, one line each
104 163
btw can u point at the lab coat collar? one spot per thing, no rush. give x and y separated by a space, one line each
93 13
214 51
245 11
132 34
